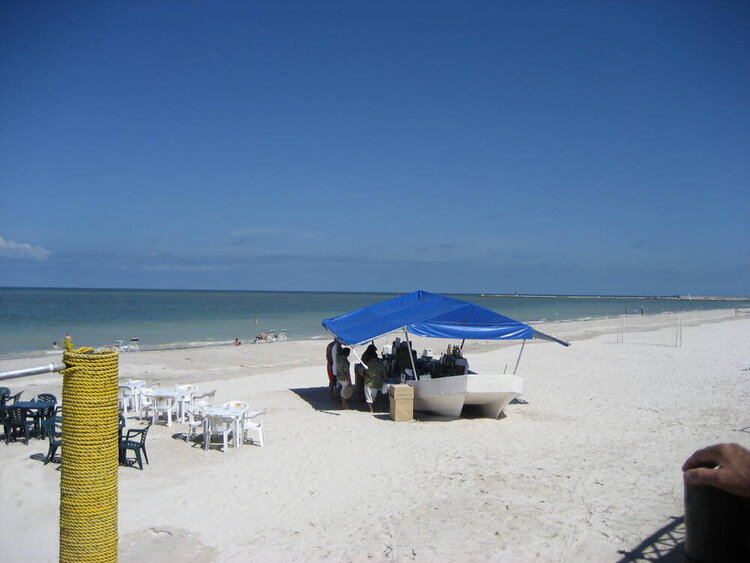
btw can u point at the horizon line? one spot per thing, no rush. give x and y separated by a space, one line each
687 297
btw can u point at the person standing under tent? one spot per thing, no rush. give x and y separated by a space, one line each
403 358
331 354
343 378
374 375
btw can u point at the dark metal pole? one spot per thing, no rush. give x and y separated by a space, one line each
523 343
411 355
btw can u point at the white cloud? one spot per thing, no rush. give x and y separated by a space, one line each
12 249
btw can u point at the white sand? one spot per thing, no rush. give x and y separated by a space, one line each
589 468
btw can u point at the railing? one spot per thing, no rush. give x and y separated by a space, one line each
49 368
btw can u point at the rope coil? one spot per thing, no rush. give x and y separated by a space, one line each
88 480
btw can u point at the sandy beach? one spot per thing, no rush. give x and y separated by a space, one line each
587 470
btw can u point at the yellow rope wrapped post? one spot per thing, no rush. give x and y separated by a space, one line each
88 483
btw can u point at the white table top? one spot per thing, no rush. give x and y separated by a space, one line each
172 393
221 411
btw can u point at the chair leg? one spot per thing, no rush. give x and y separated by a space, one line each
138 458
145 454
50 454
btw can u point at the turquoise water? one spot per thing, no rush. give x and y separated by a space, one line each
31 319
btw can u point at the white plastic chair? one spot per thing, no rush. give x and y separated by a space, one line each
187 391
131 392
195 422
217 425
205 400
128 396
247 425
165 405
133 345
123 398
146 400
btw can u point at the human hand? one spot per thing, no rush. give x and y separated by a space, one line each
724 466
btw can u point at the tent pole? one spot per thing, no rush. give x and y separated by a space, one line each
462 343
357 356
519 356
411 355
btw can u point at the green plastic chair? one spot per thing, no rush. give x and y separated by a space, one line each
42 414
135 441
4 418
17 422
49 425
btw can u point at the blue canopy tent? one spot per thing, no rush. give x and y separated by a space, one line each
427 314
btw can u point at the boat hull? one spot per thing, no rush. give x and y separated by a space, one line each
447 396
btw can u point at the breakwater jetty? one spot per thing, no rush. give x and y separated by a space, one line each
628 297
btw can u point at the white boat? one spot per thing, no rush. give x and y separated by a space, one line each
446 396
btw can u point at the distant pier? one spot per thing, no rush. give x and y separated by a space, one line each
623 297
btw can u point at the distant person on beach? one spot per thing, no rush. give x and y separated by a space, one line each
642 311
237 342
374 375
343 378
68 343
256 320
331 353
724 466
55 346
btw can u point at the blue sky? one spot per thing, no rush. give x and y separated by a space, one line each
540 147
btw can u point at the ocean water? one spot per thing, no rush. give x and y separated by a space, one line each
31 319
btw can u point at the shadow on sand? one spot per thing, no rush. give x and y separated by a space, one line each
667 544
57 459
320 399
